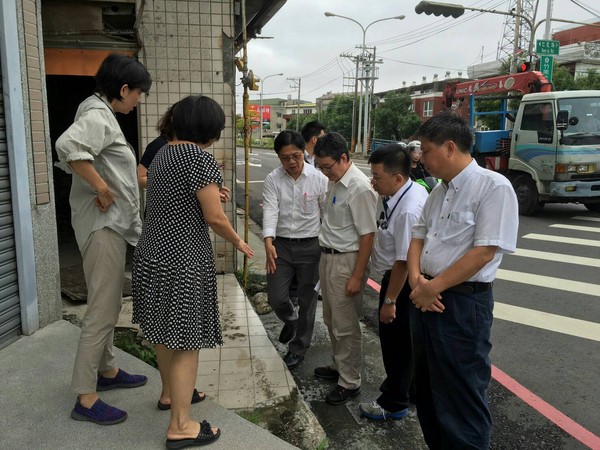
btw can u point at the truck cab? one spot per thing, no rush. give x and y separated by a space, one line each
555 150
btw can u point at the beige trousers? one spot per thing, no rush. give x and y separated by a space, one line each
103 266
341 314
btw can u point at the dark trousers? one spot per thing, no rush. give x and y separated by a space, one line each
453 370
396 350
299 260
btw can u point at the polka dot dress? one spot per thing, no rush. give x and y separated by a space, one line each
173 275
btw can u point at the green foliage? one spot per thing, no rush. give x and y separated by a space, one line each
393 118
256 282
254 416
492 121
562 79
304 119
590 81
338 116
127 339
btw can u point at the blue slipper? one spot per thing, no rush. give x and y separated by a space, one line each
100 413
122 380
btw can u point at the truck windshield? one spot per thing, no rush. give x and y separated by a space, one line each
584 120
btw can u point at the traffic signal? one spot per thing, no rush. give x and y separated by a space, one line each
440 9
523 66
252 81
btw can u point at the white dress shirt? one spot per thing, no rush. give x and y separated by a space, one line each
477 208
404 209
293 208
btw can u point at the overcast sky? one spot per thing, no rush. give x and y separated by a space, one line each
308 45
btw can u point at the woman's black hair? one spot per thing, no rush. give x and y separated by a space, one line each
197 118
119 70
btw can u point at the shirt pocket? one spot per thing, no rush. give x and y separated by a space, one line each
310 205
340 215
459 227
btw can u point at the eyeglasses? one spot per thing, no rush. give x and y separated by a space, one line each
294 156
322 167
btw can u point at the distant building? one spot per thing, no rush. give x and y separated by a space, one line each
274 111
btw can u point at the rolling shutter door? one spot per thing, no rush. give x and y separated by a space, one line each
10 310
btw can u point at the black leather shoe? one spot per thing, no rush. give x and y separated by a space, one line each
288 332
292 360
327 373
340 395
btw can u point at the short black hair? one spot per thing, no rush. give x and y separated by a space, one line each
447 126
288 137
311 129
333 145
394 157
197 118
119 70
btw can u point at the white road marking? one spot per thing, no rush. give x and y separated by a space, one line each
547 321
568 259
576 227
561 284
588 218
562 239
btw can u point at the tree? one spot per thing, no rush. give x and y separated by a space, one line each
562 79
338 116
393 118
304 119
589 81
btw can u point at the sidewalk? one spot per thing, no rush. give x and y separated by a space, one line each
245 372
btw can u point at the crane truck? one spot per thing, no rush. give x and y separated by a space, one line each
551 150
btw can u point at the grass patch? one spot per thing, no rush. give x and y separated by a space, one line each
254 416
127 339
256 282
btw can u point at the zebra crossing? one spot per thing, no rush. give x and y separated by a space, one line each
542 319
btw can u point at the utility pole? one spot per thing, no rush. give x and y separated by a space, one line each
296 83
355 108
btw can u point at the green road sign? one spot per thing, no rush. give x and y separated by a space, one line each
546 63
547 47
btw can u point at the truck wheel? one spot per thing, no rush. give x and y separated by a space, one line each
594 207
527 195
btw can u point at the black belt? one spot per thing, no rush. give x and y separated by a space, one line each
331 251
296 240
467 287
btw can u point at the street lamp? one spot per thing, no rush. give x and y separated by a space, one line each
262 85
366 68
450 9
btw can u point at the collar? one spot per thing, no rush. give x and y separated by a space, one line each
460 179
399 193
345 180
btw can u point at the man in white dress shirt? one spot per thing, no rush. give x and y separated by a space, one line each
403 200
468 222
311 132
293 196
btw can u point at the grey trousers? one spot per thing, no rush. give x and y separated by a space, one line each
103 266
302 260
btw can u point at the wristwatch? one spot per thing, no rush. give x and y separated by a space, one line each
388 301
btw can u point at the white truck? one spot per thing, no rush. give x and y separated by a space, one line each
552 152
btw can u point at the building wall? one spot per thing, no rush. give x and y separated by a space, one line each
188 49
39 156
585 33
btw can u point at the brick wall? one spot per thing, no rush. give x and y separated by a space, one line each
185 49
36 111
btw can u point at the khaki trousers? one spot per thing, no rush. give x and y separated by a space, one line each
103 266
341 314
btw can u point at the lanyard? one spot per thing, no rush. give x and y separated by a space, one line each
388 217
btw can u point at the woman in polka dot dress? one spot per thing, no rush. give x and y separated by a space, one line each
174 278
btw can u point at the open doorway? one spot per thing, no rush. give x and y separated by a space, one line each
65 93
